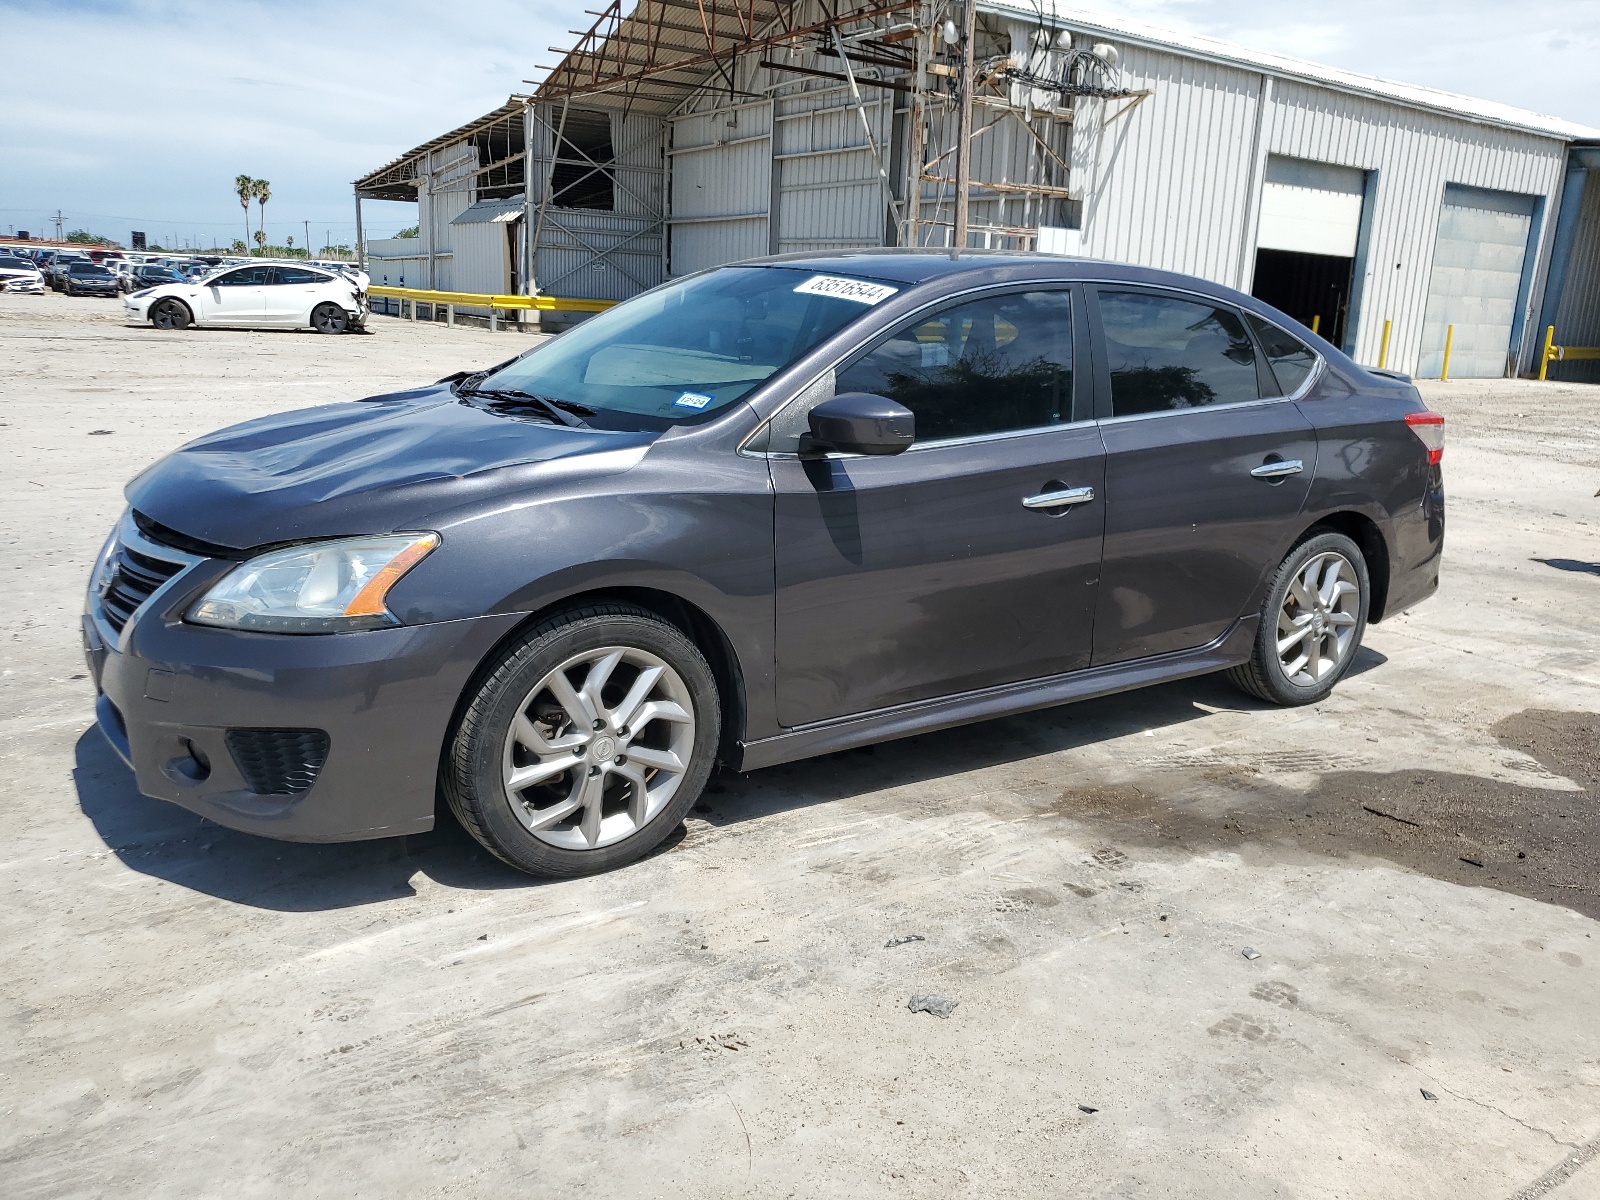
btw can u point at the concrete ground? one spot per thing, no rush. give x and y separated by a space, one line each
1412 865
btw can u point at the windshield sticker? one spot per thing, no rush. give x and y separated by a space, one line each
839 288
692 400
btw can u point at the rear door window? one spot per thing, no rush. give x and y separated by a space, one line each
994 365
1167 353
298 275
1291 360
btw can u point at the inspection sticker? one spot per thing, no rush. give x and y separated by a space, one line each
692 400
839 288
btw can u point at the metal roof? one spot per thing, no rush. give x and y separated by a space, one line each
1194 45
392 181
486 212
658 54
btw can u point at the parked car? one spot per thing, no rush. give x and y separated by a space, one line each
56 273
263 295
151 275
91 279
18 274
765 512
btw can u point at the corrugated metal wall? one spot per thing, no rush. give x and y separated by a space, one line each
721 170
1414 154
1578 321
830 195
481 258
594 254
1167 183
448 191
1175 182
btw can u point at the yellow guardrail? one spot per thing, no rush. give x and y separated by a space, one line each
477 300
1554 353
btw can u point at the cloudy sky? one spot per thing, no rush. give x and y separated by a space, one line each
137 114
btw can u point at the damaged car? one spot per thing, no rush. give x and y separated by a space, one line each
767 512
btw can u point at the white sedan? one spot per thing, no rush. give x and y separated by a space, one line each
20 275
258 296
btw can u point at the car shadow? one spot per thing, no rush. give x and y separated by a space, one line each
1570 564
170 843
733 798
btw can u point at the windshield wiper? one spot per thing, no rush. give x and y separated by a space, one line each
565 411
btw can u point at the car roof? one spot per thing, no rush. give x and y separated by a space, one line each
918 266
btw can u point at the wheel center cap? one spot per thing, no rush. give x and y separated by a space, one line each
603 747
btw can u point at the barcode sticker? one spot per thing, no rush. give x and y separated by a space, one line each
858 290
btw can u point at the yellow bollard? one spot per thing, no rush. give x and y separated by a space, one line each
1316 323
1548 352
1449 336
1383 349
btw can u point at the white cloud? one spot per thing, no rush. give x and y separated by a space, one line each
179 96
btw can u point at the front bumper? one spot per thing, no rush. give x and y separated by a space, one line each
169 693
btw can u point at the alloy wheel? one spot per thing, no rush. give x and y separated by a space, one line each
1317 622
599 747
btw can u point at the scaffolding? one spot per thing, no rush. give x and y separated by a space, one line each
962 73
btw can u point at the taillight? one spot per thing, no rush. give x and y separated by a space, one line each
1429 428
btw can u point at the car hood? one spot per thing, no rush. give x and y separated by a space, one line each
369 466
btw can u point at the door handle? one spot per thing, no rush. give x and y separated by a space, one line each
1062 499
1277 470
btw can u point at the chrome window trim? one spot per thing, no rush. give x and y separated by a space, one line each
1310 380
949 297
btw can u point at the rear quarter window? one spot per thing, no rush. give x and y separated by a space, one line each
1290 359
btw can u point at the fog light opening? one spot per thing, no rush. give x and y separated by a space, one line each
192 764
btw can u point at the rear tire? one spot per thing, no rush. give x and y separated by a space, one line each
1312 622
329 318
582 747
170 314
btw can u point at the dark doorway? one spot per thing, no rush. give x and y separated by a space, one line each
583 175
1314 289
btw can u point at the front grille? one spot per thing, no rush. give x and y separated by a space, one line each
131 580
278 762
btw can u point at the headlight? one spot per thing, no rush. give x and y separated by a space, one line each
326 588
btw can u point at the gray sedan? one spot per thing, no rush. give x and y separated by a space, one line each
769 511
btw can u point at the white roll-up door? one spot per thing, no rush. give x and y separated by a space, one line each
1478 260
1311 207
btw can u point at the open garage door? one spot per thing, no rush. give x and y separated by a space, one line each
1479 260
1307 240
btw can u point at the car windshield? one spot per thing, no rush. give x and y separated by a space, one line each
685 351
83 268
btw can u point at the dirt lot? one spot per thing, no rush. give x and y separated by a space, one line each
187 1011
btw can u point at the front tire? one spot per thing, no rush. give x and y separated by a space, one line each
170 314
584 745
1311 624
329 318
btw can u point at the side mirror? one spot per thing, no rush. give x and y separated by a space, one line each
861 423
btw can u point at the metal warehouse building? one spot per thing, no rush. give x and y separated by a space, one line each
681 134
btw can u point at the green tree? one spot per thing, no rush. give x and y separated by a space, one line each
238 246
414 231
261 240
245 188
84 238
262 190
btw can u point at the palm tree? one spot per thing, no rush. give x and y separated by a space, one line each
261 240
245 188
263 192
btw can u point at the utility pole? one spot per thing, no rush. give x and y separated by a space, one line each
59 220
307 224
969 29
